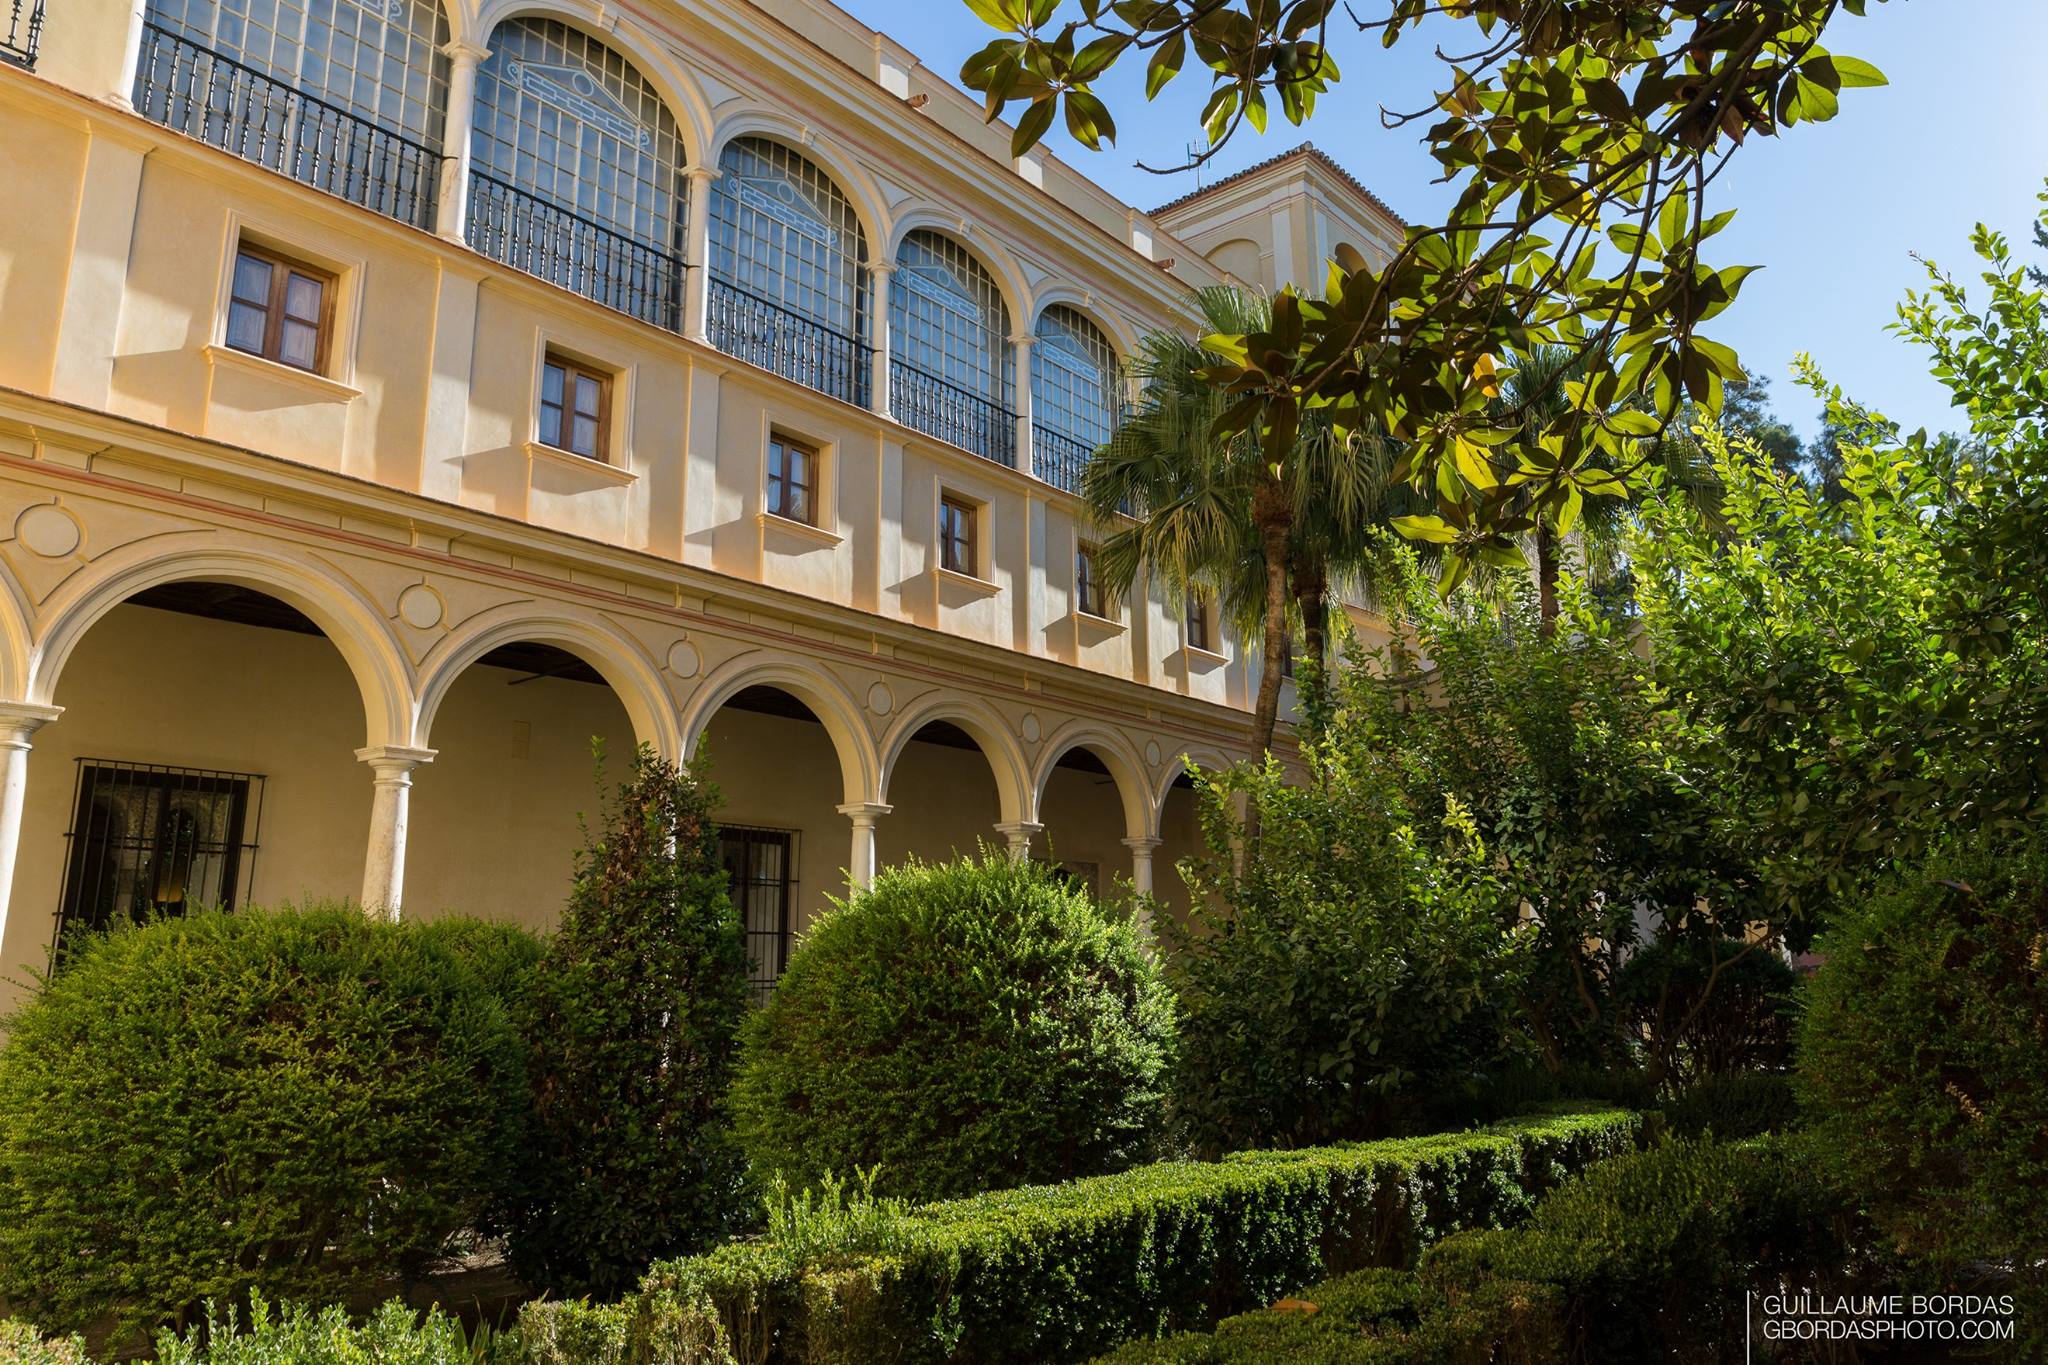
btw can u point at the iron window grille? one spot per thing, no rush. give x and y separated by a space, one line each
760 867
788 261
576 167
1074 402
951 373
151 840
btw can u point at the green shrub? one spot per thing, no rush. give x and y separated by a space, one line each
1709 1008
1346 975
1643 1257
294 1335
1042 1275
965 1026
635 1028
1923 1055
1739 1104
22 1344
305 1103
504 958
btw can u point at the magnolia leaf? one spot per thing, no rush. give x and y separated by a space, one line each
1431 529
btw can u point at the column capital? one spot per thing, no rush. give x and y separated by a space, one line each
882 269
20 719
394 760
1020 831
1144 843
1022 340
461 52
704 174
865 812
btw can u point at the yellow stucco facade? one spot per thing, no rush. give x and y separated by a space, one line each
396 729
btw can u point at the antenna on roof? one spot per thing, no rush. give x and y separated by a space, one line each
1195 161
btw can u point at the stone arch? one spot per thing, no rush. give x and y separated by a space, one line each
634 676
1122 338
1141 811
1175 766
986 728
671 80
827 699
353 623
999 263
17 638
848 174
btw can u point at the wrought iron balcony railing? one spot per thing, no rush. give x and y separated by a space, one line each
580 254
794 346
259 118
937 407
1058 458
24 33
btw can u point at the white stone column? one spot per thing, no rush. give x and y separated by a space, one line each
1141 861
697 255
1018 834
1020 350
19 721
1142 850
384 863
123 93
881 272
860 866
451 214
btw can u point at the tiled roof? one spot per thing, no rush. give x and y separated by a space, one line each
1307 151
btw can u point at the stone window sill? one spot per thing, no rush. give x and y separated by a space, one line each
597 473
315 385
770 523
979 587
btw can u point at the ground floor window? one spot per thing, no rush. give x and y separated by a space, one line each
761 864
149 840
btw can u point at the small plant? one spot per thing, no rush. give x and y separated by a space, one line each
835 1217
22 1344
291 1334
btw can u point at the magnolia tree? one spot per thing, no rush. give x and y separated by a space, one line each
1585 140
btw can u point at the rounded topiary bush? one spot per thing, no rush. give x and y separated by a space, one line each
967 1026
1923 1055
304 1104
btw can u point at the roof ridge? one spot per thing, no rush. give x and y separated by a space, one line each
1306 150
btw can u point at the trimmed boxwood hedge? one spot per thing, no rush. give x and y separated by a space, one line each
1644 1257
1060 1273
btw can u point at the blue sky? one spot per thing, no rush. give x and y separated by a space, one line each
1832 212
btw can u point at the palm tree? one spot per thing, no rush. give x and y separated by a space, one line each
1534 385
1271 538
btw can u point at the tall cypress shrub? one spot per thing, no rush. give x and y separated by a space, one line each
636 1022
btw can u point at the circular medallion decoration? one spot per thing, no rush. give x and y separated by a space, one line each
48 530
1028 727
881 700
683 660
1152 752
420 607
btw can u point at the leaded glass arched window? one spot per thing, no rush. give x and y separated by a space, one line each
349 96
574 170
1074 398
788 257
949 338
